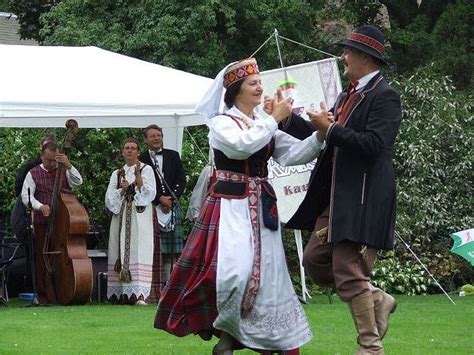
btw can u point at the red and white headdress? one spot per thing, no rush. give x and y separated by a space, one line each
239 71
212 103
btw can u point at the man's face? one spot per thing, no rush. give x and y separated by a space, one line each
130 152
354 63
48 158
154 139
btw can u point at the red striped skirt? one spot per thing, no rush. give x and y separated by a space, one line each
188 301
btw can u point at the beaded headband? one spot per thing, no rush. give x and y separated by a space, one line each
239 71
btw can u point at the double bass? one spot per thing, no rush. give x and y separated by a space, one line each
65 245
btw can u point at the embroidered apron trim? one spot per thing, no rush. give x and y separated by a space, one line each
123 268
255 188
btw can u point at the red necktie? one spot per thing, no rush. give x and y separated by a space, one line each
350 90
352 87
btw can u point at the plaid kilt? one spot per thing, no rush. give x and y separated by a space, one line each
157 283
172 242
188 301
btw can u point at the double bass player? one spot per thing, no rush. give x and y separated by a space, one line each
38 188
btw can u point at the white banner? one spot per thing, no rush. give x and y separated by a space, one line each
308 84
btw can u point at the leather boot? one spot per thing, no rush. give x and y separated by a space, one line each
362 310
384 305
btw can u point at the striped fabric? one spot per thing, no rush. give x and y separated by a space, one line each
188 301
172 242
157 283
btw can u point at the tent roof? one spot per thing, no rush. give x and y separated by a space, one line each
42 86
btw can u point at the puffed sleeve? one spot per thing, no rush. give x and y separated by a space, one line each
73 177
236 143
113 198
291 151
145 195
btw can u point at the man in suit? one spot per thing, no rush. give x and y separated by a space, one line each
350 203
167 166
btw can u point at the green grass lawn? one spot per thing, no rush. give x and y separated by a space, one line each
421 325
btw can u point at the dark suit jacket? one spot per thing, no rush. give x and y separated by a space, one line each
355 170
173 173
20 178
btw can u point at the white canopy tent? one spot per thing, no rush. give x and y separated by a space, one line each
44 86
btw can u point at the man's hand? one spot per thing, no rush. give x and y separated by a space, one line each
166 203
268 105
45 210
321 120
63 159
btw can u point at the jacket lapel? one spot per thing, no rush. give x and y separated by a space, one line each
361 95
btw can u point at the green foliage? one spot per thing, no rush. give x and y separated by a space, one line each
434 165
5 6
198 36
433 156
401 277
412 45
468 289
454 43
29 12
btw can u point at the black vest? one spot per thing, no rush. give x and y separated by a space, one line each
253 166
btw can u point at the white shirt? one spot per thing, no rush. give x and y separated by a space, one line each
365 79
73 177
143 196
157 159
240 143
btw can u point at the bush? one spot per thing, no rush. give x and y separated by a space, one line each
403 277
434 162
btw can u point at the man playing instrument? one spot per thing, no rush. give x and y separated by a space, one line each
37 190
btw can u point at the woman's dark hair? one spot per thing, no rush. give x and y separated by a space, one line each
231 93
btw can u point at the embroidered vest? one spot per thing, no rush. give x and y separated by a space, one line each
254 166
44 190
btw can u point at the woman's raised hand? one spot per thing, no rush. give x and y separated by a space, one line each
138 175
281 107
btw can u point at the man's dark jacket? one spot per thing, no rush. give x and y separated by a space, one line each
20 178
355 170
173 173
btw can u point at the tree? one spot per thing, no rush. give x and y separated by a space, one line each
198 36
434 165
454 43
29 12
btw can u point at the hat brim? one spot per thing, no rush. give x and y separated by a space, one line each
363 48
